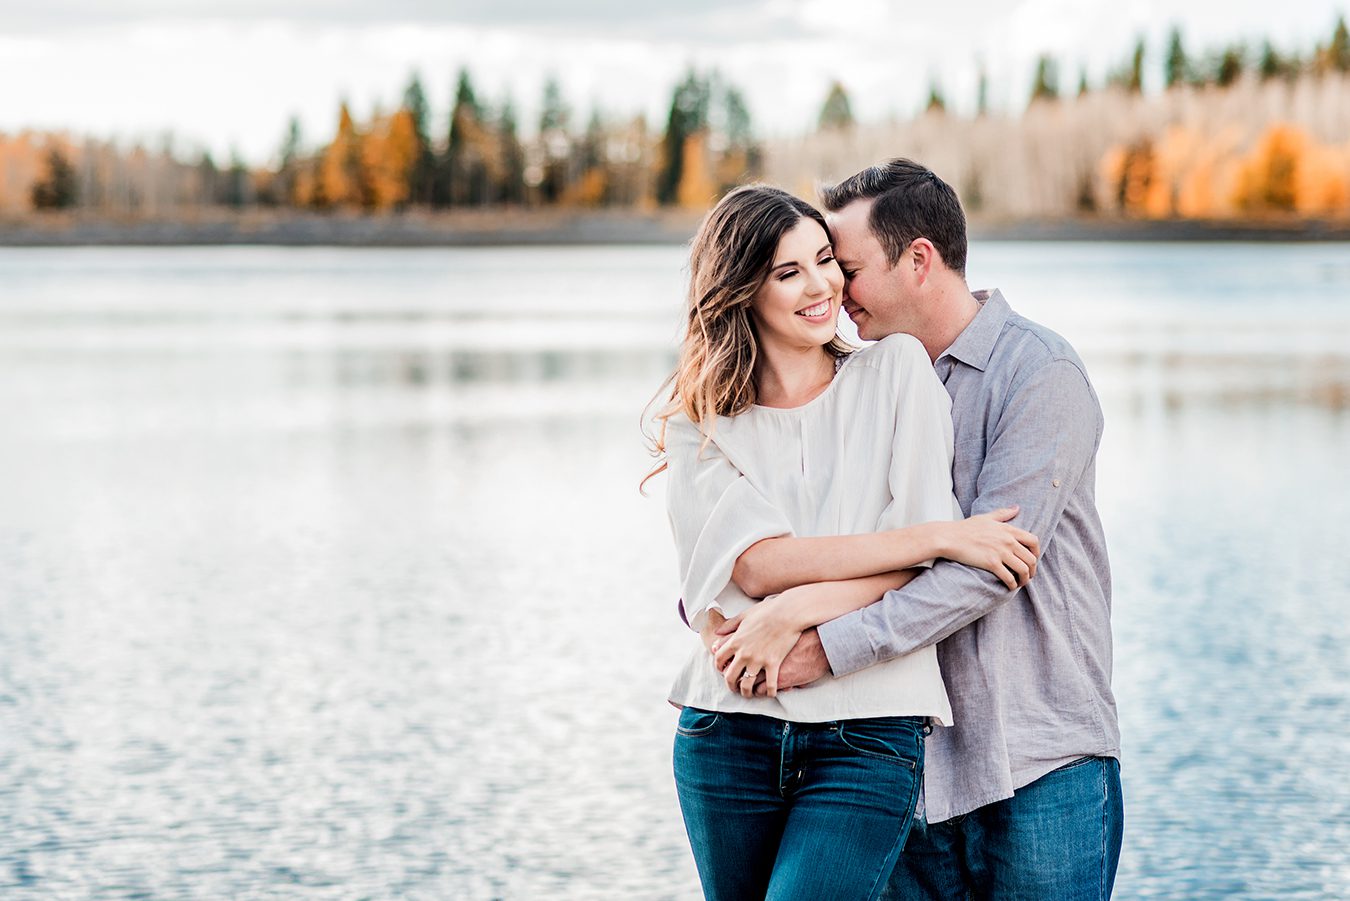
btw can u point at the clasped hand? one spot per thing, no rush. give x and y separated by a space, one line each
751 647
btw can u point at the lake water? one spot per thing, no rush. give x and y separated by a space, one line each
323 573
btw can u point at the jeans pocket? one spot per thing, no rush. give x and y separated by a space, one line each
694 722
884 738
1075 764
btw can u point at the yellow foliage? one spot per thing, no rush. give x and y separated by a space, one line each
387 158
22 163
590 190
1269 177
1137 177
696 189
306 185
1174 188
1192 174
1322 183
339 182
733 169
1111 169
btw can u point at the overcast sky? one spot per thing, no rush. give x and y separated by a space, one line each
229 75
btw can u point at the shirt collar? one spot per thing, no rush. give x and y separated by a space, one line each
976 342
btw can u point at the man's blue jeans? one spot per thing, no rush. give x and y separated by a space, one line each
1057 839
781 810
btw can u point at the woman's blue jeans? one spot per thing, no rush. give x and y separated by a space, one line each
780 810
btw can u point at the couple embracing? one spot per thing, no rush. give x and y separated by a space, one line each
894 559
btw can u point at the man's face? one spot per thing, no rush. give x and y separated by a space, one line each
878 297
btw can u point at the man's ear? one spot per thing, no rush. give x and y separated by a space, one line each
923 256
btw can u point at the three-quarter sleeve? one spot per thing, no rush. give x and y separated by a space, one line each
920 476
715 515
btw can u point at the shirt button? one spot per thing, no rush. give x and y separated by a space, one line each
1054 482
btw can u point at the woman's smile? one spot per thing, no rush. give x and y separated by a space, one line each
818 313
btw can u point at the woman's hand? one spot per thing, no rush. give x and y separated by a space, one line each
714 620
757 640
988 542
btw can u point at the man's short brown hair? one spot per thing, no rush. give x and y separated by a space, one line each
908 201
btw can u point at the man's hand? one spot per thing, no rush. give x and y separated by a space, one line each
804 664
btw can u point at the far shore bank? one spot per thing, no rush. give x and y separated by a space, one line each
514 227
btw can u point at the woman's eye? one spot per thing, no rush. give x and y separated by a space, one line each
828 258
786 274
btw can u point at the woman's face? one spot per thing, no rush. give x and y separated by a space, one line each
798 304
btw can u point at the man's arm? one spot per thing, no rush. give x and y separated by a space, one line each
1044 442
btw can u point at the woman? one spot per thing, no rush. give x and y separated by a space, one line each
815 478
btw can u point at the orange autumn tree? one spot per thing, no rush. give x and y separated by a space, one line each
1322 184
1193 174
389 154
1267 181
1132 172
696 190
24 161
1288 171
340 173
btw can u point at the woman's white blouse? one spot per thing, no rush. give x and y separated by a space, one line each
871 452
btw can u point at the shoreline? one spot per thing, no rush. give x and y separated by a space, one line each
516 227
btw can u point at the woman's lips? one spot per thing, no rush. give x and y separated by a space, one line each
818 312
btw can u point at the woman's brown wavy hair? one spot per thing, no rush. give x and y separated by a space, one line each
729 260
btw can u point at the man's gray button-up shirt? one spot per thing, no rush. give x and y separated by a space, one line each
1028 672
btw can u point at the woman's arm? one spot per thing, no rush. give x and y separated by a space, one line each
986 542
715 515
761 637
777 564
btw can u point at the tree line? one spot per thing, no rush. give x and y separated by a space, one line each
393 162
1233 134
1236 131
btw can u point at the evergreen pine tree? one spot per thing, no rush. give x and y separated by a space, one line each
935 104
1045 84
1136 82
56 191
512 189
1339 51
1175 66
836 113
688 116
422 180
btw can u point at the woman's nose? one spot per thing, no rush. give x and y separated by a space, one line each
818 283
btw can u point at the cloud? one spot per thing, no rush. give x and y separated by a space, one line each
689 19
230 75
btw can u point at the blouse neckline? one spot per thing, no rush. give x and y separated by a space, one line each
839 364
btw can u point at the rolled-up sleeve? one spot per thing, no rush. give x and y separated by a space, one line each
1043 444
715 515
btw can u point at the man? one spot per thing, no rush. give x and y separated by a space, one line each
1022 795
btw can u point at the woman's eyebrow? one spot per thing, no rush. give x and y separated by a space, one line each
777 266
